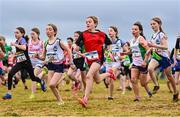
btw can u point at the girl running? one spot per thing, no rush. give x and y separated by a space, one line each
22 61
35 49
93 41
125 69
79 63
54 54
139 66
2 55
160 56
177 63
115 49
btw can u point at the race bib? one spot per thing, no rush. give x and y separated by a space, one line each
116 51
136 54
75 55
52 57
20 57
115 48
32 54
92 55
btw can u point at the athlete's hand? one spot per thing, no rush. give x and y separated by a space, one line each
144 64
45 62
13 44
36 55
175 63
150 44
73 66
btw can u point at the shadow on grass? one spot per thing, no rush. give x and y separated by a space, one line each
39 101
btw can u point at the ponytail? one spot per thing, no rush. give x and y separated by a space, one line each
26 38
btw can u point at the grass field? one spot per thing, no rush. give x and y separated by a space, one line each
45 104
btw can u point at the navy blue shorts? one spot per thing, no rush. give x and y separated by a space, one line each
56 67
142 70
177 67
163 63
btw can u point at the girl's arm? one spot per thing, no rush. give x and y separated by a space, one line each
22 47
68 51
42 55
144 44
2 54
163 45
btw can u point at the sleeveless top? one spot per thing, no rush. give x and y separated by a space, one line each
54 52
138 52
33 50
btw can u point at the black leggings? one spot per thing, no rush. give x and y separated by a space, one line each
19 66
24 75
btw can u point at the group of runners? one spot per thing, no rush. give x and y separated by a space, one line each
90 56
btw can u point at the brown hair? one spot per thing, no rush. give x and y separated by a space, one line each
95 19
70 38
1 46
158 20
54 28
2 38
78 32
115 30
22 30
140 28
37 31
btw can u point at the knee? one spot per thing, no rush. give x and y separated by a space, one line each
89 77
169 75
133 80
111 83
178 81
52 86
143 84
170 78
150 69
69 75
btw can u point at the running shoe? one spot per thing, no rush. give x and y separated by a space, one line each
83 101
7 96
110 98
175 97
43 86
156 88
76 87
111 72
60 103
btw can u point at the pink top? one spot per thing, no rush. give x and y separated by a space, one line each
1 64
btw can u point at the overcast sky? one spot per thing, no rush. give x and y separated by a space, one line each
70 15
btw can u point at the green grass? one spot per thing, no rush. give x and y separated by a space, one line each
45 104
